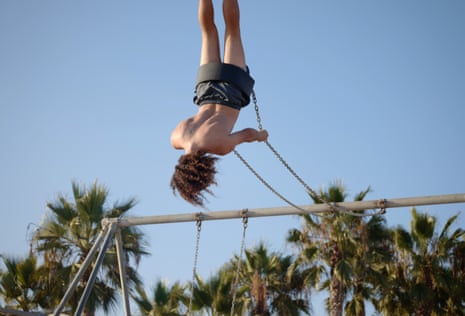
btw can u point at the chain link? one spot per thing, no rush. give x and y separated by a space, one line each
257 112
196 256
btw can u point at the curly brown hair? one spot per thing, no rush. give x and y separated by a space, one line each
193 174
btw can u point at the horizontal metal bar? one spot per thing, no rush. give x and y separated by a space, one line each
288 210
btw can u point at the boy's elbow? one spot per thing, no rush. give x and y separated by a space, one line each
175 143
224 150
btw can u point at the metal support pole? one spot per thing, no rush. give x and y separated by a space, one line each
122 271
279 211
93 275
80 272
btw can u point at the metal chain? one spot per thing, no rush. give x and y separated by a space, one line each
332 206
196 256
245 220
257 111
310 191
265 183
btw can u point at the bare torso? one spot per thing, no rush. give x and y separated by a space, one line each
210 130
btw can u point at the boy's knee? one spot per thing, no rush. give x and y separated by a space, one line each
232 24
209 28
231 14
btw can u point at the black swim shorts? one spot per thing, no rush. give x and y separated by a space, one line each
224 84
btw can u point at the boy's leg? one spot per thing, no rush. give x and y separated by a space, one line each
233 48
210 51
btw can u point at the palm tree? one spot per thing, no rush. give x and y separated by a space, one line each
270 285
165 300
352 248
425 273
18 284
213 296
65 238
368 262
457 263
26 285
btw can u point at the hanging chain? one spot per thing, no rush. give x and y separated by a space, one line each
257 111
245 220
196 256
310 191
332 206
265 183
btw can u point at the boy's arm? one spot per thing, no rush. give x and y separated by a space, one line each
225 145
248 135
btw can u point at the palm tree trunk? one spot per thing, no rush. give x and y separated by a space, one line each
425 308
259 294
336 288
336 297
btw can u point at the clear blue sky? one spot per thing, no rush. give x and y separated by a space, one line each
368 92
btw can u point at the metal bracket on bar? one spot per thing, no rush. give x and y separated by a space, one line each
245 216
382 206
